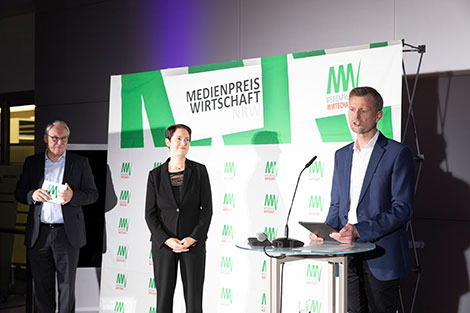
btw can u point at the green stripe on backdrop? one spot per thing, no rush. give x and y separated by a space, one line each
378 44
276 108
334 128
314 53
149 88
214 67
385 123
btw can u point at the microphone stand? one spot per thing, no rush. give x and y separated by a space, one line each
286 242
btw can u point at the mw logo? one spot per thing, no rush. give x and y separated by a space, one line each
263 299
124 197
152 283
157 164
226 264
271 232
152 309
316 203
230 169
271 169
53 191
270 203
313 306
121 281
227 233
119 307
338 78
121 255
126 169
316 170
123 226
314 273
226 295
229 201
264 268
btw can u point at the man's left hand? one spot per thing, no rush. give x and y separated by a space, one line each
346 235
67 194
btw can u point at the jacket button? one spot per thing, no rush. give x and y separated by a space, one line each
177 210
345 217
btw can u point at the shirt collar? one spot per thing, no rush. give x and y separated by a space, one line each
369 145
60 158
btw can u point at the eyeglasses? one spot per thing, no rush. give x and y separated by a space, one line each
56 139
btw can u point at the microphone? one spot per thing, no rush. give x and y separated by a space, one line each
261 240
286 242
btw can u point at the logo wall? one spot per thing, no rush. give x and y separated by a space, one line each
255 123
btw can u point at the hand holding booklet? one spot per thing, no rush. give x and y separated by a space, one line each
54 189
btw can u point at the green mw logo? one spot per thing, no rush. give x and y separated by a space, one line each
157 164
121 281
313 306
126 168
313 274
152 288
121 255
230 170
124 197
229 202
315 204
270 171
316 170
226 296
152 309
270 203
226 264
339 79
119 307
271 232
227 233
53 191
264 268
123 226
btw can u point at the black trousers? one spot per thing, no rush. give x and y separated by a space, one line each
192 267
368 294
52 254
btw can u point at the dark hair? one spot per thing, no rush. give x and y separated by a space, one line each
171 130
364 91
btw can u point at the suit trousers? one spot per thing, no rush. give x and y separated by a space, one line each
368 294
192 268
52 254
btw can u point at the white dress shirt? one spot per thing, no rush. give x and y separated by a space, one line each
54 172
360 161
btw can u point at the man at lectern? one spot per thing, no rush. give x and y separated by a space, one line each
371 201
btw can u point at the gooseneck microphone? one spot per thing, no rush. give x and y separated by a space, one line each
286 242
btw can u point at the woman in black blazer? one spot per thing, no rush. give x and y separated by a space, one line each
178 212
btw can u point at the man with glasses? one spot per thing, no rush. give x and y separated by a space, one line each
55 229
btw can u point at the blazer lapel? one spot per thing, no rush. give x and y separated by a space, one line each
187 176
68 168
167 184
375 157
347 173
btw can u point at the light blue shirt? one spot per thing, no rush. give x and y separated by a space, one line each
54 172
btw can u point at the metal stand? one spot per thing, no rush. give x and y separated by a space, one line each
421 49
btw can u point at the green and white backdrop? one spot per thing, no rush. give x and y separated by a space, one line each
255 124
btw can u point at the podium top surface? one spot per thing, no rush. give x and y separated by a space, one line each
325 248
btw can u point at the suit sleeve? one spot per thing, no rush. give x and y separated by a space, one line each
87 193
333 213
159 235
200 231
24 191
401 208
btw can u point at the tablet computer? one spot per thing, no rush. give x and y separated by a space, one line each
322 230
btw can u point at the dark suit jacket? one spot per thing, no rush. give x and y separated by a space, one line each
77 173
385 204
162 213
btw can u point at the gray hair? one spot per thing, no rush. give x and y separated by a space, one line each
57 123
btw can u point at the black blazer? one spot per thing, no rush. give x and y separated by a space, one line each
162 213
77 173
